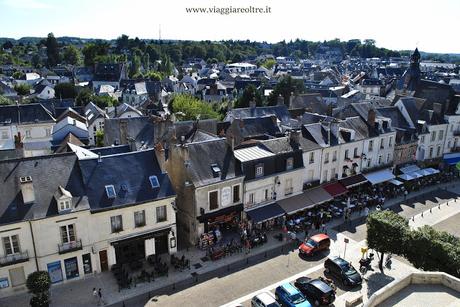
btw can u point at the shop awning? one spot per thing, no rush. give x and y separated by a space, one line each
335 189
395 182
227 210
406 177
432 171
265 213
318 195
452 158
409 169
379 176
353 181
416 174
296 203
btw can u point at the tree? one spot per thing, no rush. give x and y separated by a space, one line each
135 66
433 250
52 51
285 87
104 101
65 90
39 283
36 62
250 93
72 55
153 75
186 107
83 97
387 232
99 138
92 50
22 89
268 63
7 45
5 101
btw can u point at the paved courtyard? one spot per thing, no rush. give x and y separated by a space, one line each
423 295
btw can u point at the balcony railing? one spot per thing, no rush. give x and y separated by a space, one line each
14 258
70 247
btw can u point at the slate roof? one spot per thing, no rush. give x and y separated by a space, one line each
418 110
113 126
93 112
107 72
111 150
25 114
203 154
253 127
48 173
122 108
129 174
281 112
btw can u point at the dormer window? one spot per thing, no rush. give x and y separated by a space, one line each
289 163
64 205
110 191
215 170
154 182
63 199
259 170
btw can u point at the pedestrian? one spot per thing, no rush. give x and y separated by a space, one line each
366 211
323 227
95 296
405 195
101 299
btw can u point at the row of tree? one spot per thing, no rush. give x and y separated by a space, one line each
147 52
425 247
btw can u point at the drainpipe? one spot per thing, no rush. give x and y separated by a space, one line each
33 244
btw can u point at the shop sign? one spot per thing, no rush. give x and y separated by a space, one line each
55 271
226 196
4 283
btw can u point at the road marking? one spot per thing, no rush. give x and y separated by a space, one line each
273 286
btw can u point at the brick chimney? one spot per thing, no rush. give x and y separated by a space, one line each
371 118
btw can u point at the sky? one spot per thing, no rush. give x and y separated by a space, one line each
432 26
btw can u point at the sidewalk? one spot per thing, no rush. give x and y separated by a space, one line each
79 293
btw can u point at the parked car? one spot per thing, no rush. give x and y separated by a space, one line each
315 244
290 296
316 291
343 270
264 299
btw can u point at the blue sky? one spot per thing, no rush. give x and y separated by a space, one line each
396 24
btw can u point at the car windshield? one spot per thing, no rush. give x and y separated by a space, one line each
273 305
311 243
297 298
350 270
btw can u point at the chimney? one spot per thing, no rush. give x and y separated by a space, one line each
74 122
27 189
294 136
371 118
437 108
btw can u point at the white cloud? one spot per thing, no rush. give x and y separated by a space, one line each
26 4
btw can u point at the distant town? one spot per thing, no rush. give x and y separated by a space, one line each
149 167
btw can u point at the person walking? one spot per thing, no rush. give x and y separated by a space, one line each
101 299
366 211
95 296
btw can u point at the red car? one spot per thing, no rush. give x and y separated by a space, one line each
315 244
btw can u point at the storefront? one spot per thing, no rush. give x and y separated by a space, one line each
71 268
225 219
135 247
265 214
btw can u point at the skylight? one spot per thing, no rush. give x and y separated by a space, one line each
110 191
154 182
